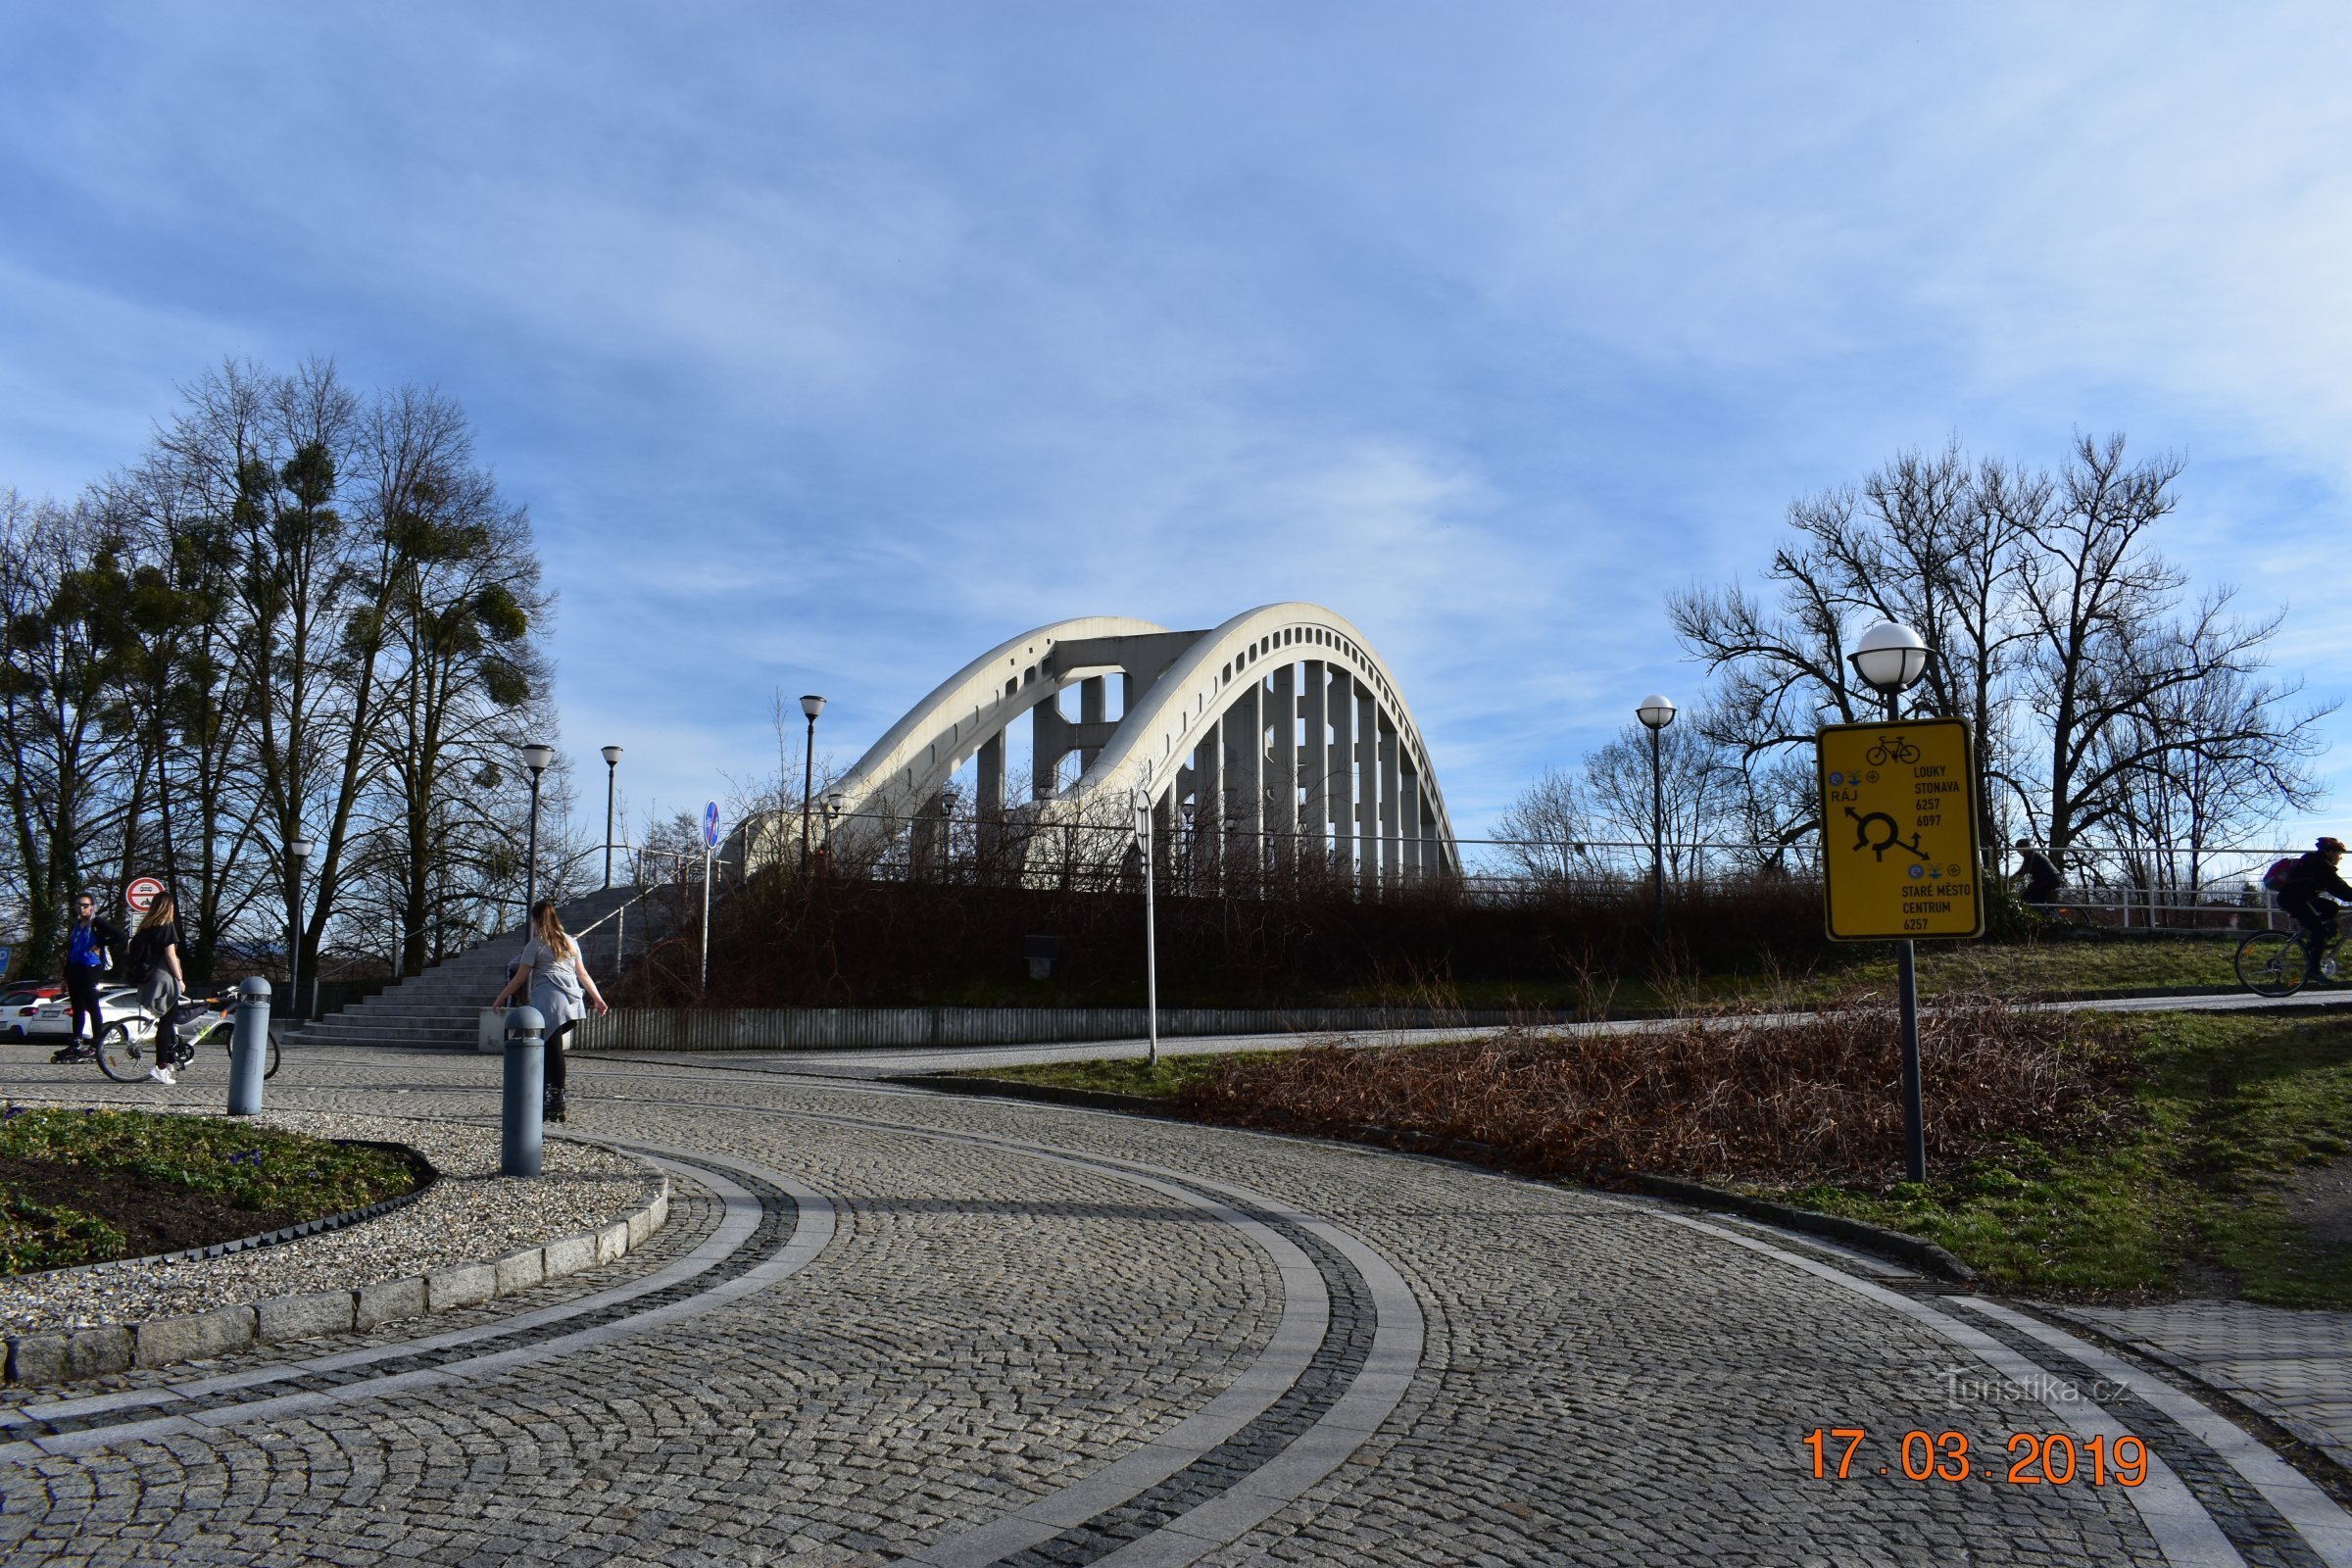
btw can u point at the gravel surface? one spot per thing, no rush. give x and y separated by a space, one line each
472 1214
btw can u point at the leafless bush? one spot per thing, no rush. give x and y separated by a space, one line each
1741 1095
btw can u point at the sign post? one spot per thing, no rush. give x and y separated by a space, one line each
709 845
1899 859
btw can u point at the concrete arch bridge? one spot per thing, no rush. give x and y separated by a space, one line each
1277 740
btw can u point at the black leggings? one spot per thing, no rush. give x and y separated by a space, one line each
555 1057
82 984
2316 917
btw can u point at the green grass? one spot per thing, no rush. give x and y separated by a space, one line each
236 1162
2196 1199
2043 966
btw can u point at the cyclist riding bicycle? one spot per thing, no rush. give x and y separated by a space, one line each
2309 891
2039 871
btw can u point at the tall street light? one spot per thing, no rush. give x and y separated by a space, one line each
812 705
1656 712
612 754
1142 832
535 758
298 852
1891 659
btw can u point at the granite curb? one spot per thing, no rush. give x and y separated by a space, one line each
1924 1255
72 1354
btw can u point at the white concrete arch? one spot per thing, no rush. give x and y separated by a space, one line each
904 773
1354 785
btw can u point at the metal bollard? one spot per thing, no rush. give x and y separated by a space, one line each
526 1077
249 1047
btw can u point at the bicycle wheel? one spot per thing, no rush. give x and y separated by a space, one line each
269 1066
121 1058
2273 964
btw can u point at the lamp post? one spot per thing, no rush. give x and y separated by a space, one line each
1142 828
535 757
836 803
611 756
297 852
1891 659
1655 714
812 705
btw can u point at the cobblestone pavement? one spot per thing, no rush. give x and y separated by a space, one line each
2294 1367
886 1326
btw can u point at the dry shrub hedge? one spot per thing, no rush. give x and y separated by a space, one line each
1730 1096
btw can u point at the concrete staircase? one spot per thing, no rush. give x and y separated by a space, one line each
442 1006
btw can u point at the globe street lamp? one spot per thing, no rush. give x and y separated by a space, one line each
1891 659
535 758
812 705
298 852
1656 712
611 756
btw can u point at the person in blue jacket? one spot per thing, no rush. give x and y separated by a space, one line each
94 945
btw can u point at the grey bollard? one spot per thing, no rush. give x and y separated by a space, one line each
249 1047
526 1074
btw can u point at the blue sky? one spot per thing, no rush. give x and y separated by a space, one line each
830 345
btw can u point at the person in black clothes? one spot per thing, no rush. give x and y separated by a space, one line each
2313 885
155 969
2039 871
93 947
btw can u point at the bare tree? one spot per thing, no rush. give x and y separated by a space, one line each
2055 628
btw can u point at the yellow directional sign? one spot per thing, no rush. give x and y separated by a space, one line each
1898 837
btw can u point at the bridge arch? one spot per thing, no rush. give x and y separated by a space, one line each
1346 784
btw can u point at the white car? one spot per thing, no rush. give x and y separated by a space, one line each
55 1017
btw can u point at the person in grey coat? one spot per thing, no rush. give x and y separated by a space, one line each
559 981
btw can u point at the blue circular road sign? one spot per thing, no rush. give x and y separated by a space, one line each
710 825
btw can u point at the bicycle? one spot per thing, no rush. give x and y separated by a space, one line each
2276 964
125 1055
1891 749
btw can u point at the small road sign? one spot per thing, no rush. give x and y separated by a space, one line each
710 826
142 894
1898 840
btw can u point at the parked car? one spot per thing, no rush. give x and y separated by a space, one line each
20 1001
55 1017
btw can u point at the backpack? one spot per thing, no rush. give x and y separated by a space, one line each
2281 875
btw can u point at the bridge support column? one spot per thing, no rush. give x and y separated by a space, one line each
1313 694
1282 765
988 803
1408 800
1368 786
927 837
1339 778
1391 837
1093 707
1244 791
1208 808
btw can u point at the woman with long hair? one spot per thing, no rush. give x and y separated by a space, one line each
154 964
551 967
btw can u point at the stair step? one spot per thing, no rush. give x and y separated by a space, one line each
442 1006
